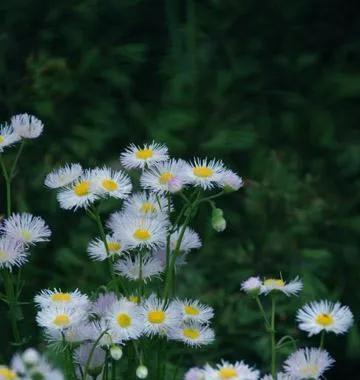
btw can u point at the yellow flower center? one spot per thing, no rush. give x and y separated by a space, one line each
191 310
310 371
203 171
124 320
144 154
7 374
134 299
3 255
61 297
324 319
227 373
26 235
2 138
274 282
82 188
165 178
156 316
142 234
109 185
191 333
113 246
61 320
147 208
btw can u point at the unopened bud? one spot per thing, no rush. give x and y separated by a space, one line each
116 352
218 222
30 357
142 372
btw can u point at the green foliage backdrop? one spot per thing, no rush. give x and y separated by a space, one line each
271 87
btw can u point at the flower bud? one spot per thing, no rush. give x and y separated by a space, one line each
252 286
30 357
230 181
116 352
142 372
218 222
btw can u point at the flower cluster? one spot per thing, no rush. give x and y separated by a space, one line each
30 365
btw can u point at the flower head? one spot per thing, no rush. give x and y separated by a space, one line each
169 176
147 205
141 156
79 194
63 176
7 137
204 173
95 362
112 183
26 228
228 371
139 231
49 298
139 267
159 318
27 126
193 311
308 363
192 334
324 315
7 373
194 373
102 304
12 253
279 285
252 285
230 181
125 319
97 249
190 240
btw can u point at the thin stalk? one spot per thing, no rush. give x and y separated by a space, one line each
261 308
272 334
322 339
86 368
96 216
18 154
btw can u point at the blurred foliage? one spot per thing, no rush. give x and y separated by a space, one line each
272 89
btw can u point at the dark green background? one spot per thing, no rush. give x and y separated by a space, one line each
270 87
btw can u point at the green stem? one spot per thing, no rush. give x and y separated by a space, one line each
261 308
322 339
13 167
86 368
96 216
272 334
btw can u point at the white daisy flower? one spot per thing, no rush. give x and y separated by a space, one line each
165 177
193 334
97 360
278 284
27 126
60 317
125 319
252 285
146 155
26 228
103 303
308 363
80 194
7 137
193 310
190 240
159 318
12 253
140 232
50 298
111 182
7 373
97 250
194 373
63 176
147 205
230 181
226 370
324 315
204 173
139 267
